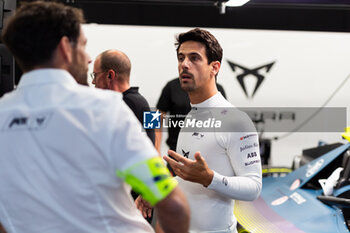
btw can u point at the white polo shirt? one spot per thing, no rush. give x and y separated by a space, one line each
60 146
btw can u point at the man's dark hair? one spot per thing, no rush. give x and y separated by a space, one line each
213 48
36 29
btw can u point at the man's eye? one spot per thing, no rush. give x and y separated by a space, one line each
180 58
194 58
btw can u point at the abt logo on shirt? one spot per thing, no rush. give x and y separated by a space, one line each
151 120
27 122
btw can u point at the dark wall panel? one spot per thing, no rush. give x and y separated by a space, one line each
252 16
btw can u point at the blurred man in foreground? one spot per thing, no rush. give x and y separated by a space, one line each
67 150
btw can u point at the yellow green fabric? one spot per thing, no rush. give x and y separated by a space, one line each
151 178
346 135
276 170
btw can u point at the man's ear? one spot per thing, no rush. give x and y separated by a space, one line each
65 49
215 67
112 75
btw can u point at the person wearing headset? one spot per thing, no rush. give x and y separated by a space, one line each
112 72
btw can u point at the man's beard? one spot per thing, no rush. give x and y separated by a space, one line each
80 76
188 89
79 72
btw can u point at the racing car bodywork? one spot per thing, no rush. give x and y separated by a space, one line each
296 202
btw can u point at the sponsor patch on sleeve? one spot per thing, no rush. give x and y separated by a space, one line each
249 149
150 178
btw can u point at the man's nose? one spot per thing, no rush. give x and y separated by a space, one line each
185 64
89 58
